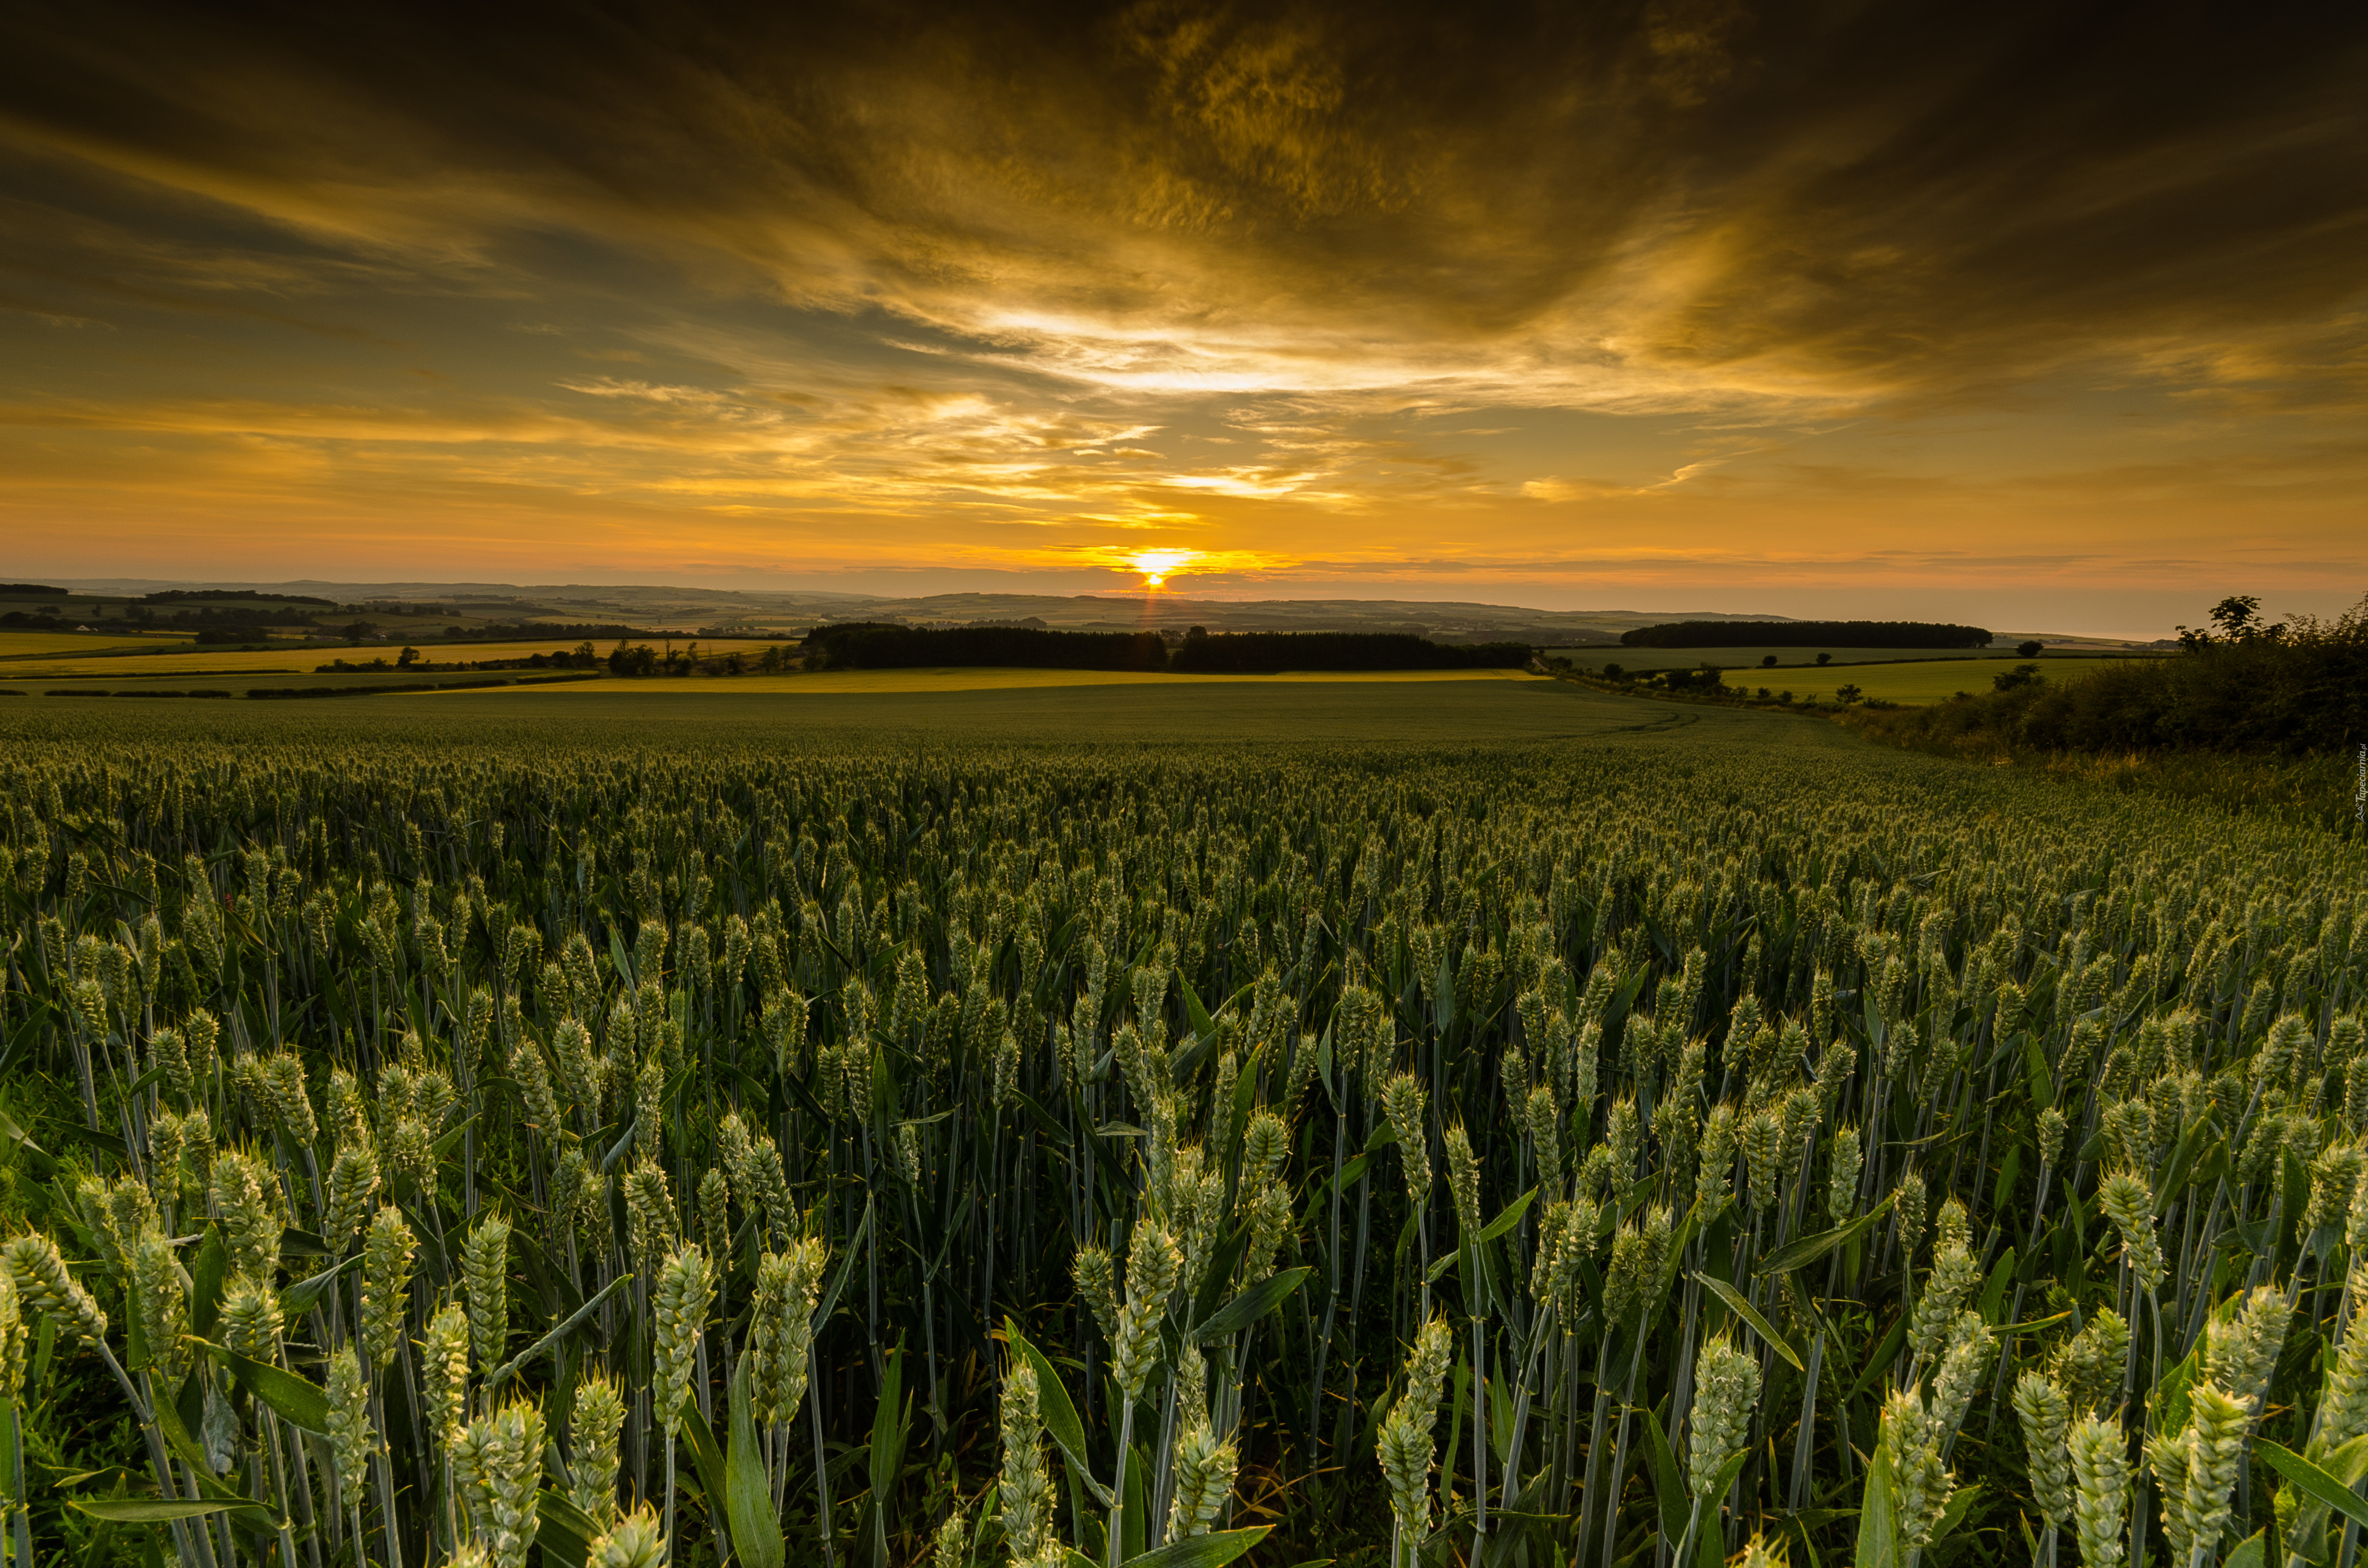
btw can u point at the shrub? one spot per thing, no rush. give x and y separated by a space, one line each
2294 690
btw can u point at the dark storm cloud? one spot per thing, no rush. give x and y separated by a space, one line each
1673 202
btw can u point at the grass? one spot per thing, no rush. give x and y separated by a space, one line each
720 695
1224 711
1738 662
834 683
1595 658
1911 684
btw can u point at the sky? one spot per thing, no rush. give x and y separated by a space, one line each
2037 314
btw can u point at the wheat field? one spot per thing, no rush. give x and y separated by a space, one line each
545 1142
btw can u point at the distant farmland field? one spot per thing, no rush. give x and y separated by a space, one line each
836 682
1741 658
33 644
1935 682
304 657
1244 710
1749 658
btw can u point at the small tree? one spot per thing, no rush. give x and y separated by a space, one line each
1767 660
2021 675
2029 650
1613 672
1824 659
1847 694
2239 616
408 657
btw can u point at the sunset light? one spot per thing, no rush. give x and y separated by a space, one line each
1158 565
1538 306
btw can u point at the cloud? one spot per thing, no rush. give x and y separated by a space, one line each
1202 265
1700 204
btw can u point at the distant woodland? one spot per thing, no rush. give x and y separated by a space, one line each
872 646
1806 634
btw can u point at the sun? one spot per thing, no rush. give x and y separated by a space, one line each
1158 565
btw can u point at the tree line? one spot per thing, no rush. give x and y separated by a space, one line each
2242 684
879 647
1806 634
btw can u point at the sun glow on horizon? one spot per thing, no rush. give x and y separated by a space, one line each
1158 565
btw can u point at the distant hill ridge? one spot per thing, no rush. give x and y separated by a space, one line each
718 612
500 609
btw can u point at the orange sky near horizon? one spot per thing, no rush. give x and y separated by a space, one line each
2052 312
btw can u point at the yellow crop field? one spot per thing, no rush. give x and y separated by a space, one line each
32 644
872 682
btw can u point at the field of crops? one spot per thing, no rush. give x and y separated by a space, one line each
301 657
1742 663
1595 658
724 696
845 683
466 1128
1918 683
35 644
1246 711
